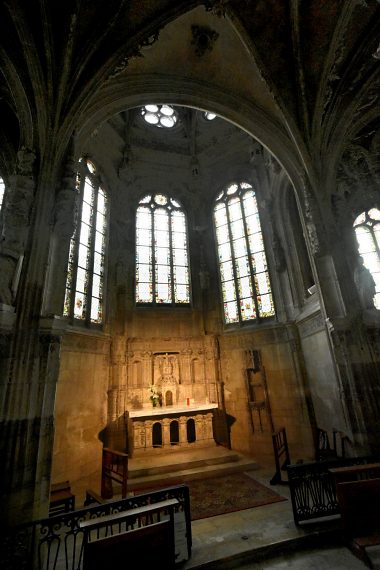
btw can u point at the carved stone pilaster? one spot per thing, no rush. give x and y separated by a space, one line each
16 222
64 220
66 206
312 219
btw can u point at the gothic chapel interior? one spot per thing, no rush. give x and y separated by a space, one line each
190 232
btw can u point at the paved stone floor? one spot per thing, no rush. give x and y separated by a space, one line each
267 538
330 558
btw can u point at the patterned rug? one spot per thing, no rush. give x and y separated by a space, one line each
227 493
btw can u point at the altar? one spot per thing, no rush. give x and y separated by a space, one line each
170 428
172 402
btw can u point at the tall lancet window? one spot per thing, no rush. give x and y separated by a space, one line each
85 273
367 231
2 190
243 267
162 266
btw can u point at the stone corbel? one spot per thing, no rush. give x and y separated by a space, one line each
204 39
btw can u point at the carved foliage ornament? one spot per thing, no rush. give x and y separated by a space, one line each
134 52
217 7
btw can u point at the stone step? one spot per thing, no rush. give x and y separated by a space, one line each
175 462
167 471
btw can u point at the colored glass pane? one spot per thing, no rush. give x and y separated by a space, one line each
84 234
237 229
224 251
231 314
143 236
226 271
229 292
234 209
240 247
247 309
242 266
144 292
179 256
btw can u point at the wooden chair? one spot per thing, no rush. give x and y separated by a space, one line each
114 469
281 456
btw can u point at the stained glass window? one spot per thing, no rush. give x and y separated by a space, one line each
367 231
85 272
162 266
244 276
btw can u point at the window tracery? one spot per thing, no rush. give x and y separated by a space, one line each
245 283
160 115
162 266
84 298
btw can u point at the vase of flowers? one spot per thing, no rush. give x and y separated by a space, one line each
154 396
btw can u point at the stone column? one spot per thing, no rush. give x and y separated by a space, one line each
183 430
65 213
148 434
117 425
208 430
139 435
199 432
165 432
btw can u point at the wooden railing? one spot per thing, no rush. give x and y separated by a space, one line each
312 487
56 543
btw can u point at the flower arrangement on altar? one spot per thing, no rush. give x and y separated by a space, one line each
154 396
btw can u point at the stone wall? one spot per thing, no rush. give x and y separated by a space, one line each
81 412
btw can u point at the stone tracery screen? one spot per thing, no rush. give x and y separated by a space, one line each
244 276
162 266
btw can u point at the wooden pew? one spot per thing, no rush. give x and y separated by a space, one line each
150 544
359 503
61 498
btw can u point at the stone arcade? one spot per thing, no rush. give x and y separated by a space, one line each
132 125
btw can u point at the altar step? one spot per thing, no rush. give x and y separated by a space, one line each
174 468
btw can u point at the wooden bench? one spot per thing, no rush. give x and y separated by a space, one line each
359 503
151 543
61 498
